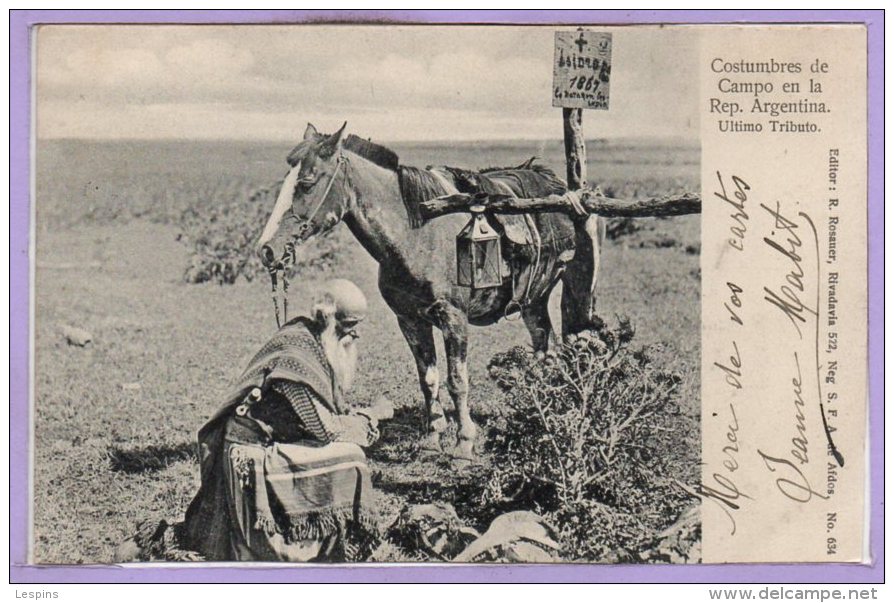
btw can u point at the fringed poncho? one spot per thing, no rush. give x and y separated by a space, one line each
270 501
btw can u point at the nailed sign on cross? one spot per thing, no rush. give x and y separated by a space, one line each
581 69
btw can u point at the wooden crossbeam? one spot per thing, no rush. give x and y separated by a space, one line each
571 202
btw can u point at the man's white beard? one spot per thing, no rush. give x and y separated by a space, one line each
342 356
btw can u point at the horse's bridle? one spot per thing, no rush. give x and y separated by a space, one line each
302 235
305 224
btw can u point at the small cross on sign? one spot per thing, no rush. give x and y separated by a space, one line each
582 63
580 43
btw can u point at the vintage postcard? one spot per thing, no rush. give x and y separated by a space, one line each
593 293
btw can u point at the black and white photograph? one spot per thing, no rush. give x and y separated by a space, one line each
367 293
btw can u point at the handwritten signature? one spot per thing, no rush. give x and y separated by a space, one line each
790 298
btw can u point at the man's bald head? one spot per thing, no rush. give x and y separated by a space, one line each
342 300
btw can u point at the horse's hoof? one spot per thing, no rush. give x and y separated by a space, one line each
430 446
462 454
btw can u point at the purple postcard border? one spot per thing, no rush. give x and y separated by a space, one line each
21 22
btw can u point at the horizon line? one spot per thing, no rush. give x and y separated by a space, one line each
680 138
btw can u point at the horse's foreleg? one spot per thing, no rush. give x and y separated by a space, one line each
418 334
536 317
455 325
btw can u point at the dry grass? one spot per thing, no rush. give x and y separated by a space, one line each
108 452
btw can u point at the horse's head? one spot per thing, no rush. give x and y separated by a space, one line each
313 197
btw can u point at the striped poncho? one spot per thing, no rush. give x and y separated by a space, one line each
259 497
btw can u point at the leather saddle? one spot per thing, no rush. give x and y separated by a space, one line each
519 230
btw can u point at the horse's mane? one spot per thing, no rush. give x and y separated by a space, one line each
417 185
381 156
375 153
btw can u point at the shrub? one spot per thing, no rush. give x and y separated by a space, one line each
615 228
222 233
591 435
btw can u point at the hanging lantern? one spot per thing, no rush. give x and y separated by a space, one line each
478 257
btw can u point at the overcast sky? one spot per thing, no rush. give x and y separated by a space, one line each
388 82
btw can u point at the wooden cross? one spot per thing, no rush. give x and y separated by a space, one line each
581 43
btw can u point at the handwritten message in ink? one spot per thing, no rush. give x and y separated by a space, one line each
783 232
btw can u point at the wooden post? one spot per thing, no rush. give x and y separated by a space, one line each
579 281
575 148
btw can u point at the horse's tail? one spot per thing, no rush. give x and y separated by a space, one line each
579 278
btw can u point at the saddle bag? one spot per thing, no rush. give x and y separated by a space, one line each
300 502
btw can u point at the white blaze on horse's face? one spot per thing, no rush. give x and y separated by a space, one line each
305 190
280 208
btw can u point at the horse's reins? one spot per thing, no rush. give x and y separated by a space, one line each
274 269
274 272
